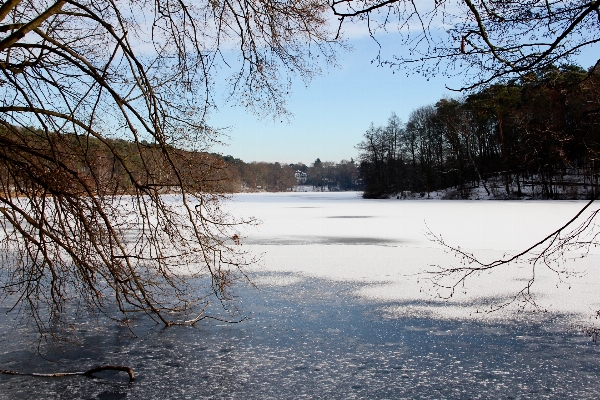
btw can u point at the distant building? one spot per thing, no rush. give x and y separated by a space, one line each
300 177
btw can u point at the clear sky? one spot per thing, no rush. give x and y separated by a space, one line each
332 113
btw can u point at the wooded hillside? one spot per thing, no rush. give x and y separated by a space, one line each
541 132
113 165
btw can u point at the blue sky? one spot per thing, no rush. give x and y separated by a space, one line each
332 113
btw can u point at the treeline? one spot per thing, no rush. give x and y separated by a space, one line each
277 177
118 166
41 163
539 135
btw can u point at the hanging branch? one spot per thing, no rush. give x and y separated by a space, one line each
103 108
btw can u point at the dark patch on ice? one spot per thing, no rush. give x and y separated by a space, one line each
323 240
351 216
107 395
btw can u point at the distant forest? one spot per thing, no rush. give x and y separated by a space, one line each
540 133
276 177
112 165
107 166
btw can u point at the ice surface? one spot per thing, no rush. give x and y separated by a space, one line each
311 340
344 312
381 244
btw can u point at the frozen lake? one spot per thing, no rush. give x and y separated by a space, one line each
343 311
381 245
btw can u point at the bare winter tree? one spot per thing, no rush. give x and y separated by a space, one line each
102 115
481 40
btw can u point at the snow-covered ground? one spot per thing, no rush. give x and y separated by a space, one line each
381 246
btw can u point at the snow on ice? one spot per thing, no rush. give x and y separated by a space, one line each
381 247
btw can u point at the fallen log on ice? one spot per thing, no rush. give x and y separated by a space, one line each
89 372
